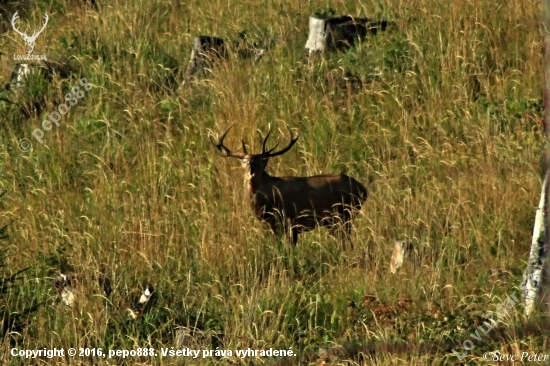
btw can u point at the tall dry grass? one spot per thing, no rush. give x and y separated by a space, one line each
445 133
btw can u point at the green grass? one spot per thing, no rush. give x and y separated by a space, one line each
445 132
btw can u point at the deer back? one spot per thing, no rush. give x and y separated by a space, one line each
300 196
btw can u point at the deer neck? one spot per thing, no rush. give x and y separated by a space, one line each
255 184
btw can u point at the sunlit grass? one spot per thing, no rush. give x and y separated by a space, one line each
445 132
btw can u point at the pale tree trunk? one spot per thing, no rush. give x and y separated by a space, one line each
533 275
546 285
535 281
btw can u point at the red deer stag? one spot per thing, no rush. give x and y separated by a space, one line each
292 205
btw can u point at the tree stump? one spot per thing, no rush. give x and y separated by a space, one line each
47 69
205 50
340 32
402 251
19 75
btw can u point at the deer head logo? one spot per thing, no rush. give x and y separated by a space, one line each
29 40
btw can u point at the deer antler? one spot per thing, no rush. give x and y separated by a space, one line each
223 150
270 155
265 141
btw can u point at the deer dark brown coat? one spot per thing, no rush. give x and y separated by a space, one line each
292 205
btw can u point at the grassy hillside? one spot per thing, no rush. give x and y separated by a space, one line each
445 132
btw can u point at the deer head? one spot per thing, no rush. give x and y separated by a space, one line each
255 164
29 40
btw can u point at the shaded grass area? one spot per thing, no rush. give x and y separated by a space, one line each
440 117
